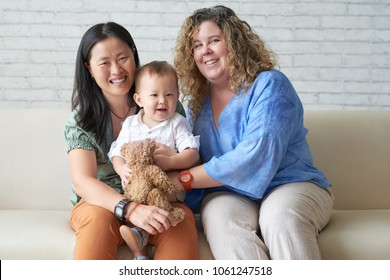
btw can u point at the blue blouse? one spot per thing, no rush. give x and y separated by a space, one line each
260 141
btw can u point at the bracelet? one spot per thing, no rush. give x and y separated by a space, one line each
132 210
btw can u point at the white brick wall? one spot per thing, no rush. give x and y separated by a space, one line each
337 53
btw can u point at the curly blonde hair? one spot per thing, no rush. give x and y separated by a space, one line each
247 54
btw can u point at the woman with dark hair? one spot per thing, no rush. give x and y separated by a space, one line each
258 192
102 99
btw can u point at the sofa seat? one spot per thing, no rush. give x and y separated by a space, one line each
35 233
46 235
357 234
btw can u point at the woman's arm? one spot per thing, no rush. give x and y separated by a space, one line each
200 178
83 169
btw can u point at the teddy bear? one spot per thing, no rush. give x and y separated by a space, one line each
149 184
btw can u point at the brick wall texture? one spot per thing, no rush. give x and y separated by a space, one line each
336 52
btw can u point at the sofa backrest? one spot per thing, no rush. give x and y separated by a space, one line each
33 160
353 149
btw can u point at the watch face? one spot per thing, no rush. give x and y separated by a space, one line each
185 178
119 211
119 208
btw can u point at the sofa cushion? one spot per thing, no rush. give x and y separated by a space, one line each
356 235
34 163
352 148
36 234
40 235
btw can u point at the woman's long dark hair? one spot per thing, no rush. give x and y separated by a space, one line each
93 111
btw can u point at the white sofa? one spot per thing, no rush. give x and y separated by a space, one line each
351 147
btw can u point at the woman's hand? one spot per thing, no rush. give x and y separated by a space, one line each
150 218
125 173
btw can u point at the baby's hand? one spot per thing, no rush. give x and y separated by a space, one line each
163 150
162 156
162 161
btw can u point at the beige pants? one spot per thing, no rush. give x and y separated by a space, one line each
285 225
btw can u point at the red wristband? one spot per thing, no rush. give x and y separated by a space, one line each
185 178
131 211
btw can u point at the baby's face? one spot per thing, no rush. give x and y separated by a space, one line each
158 95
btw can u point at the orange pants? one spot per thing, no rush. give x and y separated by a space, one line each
98 237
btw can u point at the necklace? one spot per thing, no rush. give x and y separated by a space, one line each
120 118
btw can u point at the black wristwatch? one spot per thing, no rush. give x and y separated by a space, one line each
119 210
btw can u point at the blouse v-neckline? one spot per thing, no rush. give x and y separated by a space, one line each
222 109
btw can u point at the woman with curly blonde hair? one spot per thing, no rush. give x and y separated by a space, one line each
259 194
247 55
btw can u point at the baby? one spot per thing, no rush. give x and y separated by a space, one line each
157 93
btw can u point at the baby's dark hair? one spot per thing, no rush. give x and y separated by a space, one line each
160 68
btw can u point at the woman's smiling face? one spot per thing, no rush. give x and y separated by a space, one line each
210 52
112 66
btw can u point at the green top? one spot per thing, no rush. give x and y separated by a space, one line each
77 138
